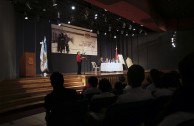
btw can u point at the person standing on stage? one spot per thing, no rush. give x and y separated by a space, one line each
79 62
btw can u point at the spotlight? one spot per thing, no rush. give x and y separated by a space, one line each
58 15
25 16
124 24
98 32
115 36
140 31
28 5
105 33
54 3
91 30
109 28
130 27
105 19
69 22
73 7
44 9
122 31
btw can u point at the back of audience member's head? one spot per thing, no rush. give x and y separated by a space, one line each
186 69
155 75
105 85
135 75
93 81
167 81
57 80
122 78
118 86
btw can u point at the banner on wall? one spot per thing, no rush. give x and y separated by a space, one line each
69 39
43 56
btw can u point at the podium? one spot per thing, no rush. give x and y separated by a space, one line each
27 64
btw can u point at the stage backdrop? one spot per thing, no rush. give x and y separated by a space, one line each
69 39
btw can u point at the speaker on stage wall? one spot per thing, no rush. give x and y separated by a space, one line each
27 64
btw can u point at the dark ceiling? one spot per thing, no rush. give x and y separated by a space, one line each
158 15
122 17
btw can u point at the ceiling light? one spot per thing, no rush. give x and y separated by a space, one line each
91 30
109 28
115 36
126 34
44 9
122 31
140 31
132 34
105 9
28 5
105 33
73 7
124 24
54 3
130 27
58 15
69 22
96 15
25 16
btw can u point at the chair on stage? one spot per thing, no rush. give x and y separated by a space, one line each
95 67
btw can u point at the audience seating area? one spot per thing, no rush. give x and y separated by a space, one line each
28 93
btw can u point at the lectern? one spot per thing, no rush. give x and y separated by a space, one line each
27 64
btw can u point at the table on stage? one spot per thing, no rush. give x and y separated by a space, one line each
111 67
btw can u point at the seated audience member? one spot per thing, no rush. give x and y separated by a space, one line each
120 85
132 108
123 80
118 88
91 88
105 98
181 106
155 77
54 102
167 85
105 88
135 77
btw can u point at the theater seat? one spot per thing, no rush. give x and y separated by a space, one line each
70 113
128 114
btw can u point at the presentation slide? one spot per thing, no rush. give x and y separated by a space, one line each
69 39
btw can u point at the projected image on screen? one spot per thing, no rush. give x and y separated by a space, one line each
70 39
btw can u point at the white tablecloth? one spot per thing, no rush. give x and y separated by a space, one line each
110 67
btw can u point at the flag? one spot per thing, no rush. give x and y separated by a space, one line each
43 56
116 54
